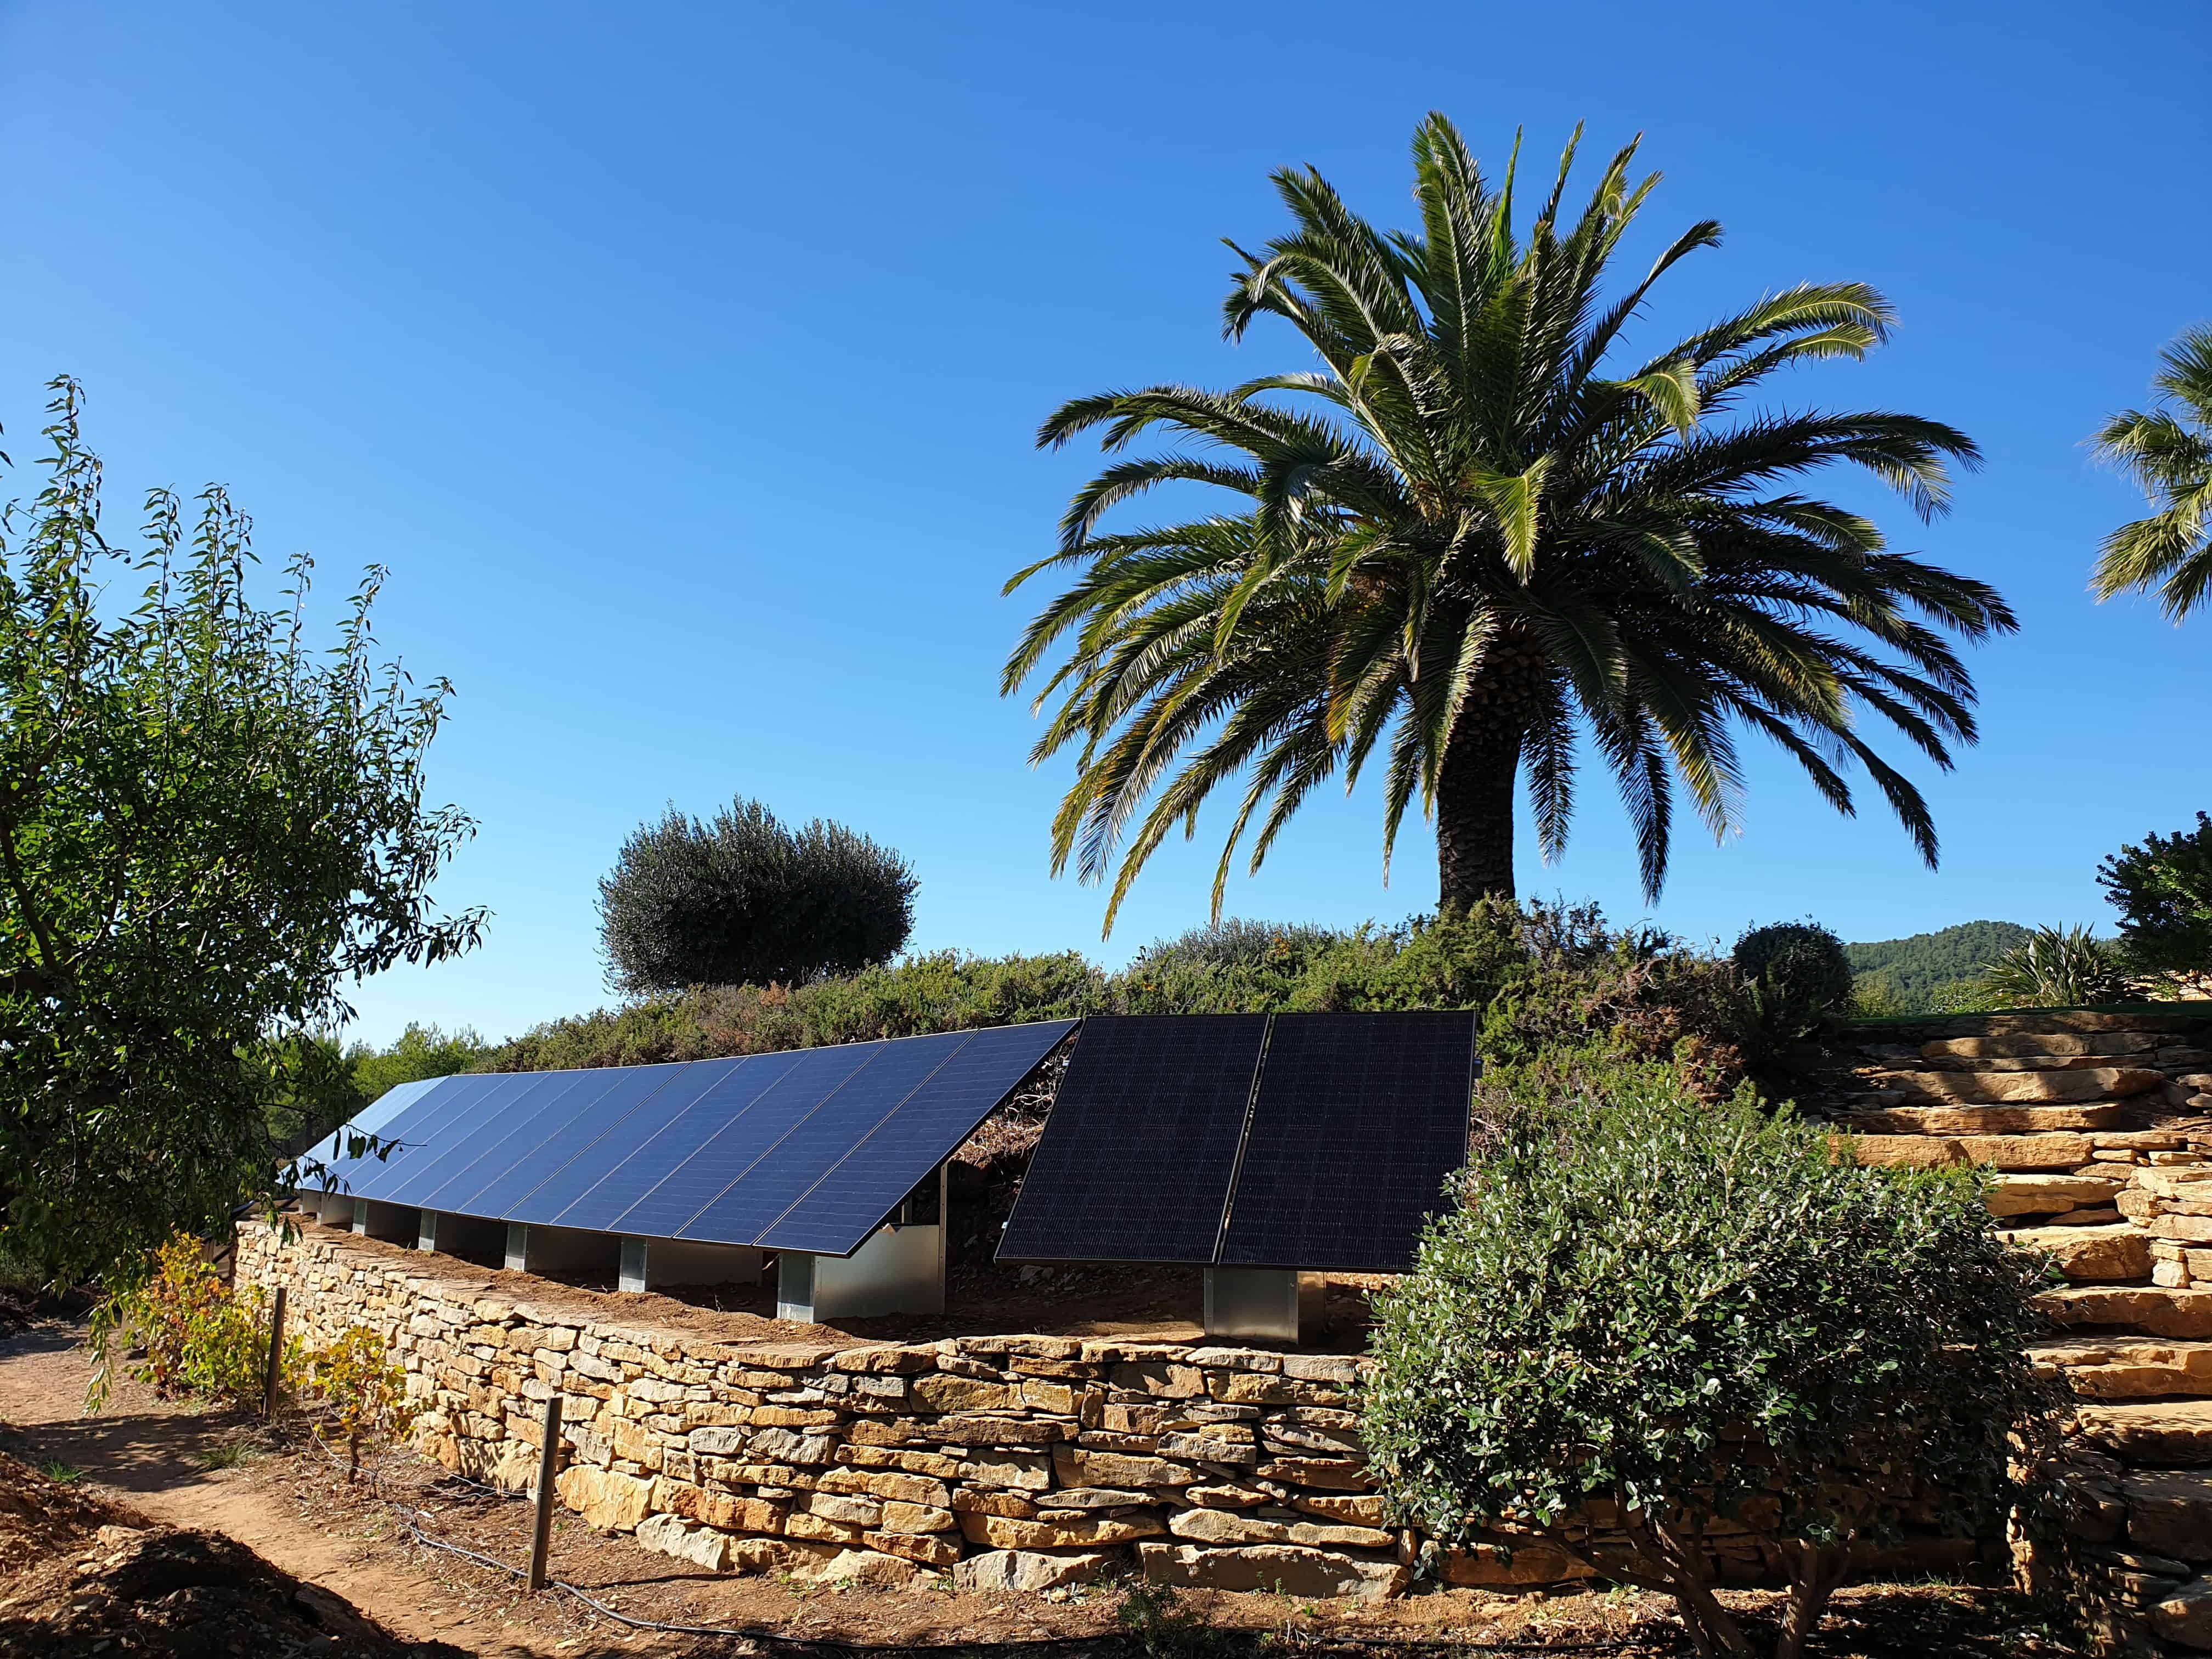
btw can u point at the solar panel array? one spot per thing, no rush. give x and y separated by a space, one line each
1288 1140
808 1150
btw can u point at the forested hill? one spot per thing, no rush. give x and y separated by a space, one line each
1912 968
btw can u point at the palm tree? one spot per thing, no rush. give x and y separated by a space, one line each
1488 544
2168 452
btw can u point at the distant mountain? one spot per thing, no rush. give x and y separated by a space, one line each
1911 969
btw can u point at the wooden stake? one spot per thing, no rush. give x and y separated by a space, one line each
541 1535
274 1379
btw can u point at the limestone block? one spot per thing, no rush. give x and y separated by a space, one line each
2189 1229
869 1568
1966 1123
2129 1367
1357 1512
2090 1253
2008 1088
938 1393
916 1518
2047 1194
887 1483
2185 1616
1077 1467
606 1500
1208 1448
992 1432
999 1532
2169 1511
1213 1526
2173 1313
2161 1434
1029 1571
1286 1569
931 1549
1915 1149
1103 1498
855 1512
2030 1152
782 1446
1330 1474
1164 1380
801 1524
1015 1471
1501 1566
703 1545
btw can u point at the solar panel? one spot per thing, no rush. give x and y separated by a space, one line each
796 1153
818 1144
409 1130
1358 1121
1138 1157
464 1140
872 1173
497 1149
1296 1140
632 1093
593 1192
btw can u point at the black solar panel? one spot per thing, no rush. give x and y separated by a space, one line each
1294 1140
1137 1159
1359 1120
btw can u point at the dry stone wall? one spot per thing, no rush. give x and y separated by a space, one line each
1010 1463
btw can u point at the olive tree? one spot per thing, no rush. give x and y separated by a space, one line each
210 826
1652 1315
739 899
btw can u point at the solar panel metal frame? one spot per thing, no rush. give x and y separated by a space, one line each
1076 1202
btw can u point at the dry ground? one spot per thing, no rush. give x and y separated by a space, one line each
226 1479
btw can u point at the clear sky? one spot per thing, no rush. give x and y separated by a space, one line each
682 361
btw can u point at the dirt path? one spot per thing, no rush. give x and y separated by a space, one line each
160 1455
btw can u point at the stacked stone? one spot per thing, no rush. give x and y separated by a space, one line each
2099 1127
1010 1463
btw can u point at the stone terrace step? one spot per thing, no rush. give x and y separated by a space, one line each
2162 1433
1982 1121
2051 1194
2045 1045
2106 1254
2095 1084
2181 1315
2128 1367
2172 1018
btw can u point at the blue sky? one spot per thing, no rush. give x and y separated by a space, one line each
682 361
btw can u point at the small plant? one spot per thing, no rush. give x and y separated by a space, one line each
1690 1315
362 1394
200 1340
231 1455
1797 973
2058 968
1162 1627
65 1474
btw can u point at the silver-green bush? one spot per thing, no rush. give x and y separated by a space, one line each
1695 1312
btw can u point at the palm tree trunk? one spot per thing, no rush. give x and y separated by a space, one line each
1474 813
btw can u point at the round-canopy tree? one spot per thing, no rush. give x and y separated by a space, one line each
739 899
1491 540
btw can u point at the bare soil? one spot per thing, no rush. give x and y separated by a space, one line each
315 1545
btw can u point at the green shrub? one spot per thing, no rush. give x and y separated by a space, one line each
200 1340
2163 891
739 898
2057 967
1542 974
1796 974
1695 1314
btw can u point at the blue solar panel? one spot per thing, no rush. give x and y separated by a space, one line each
756 1107
814 1136
592 1192
463 1141
502 1143
851 1197
474 1100
579 1145
378 1119
408 1130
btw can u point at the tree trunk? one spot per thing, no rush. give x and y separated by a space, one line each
1475 810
